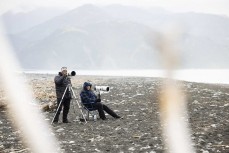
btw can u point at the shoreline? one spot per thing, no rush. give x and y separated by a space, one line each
218 76
111 76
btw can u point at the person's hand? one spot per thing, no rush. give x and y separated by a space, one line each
98 100
65 73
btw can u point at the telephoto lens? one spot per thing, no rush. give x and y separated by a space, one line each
102 88
73 73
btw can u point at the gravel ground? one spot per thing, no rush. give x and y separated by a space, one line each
137 100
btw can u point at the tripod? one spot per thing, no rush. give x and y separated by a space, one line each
69 87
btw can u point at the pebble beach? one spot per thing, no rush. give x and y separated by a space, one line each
136 99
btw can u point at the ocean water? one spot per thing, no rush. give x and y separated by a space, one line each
218 76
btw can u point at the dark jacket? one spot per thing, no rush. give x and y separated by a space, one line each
61 82
87 96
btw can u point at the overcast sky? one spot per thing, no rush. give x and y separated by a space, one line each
206 6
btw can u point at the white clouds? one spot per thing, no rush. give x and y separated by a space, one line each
206 6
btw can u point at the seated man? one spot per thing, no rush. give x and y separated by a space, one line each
89 99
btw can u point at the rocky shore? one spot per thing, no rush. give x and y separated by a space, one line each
137 100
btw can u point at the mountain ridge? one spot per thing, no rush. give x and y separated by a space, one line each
107 38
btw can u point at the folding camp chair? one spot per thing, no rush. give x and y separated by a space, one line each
89 111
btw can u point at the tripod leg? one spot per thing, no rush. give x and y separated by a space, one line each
59 104
79 106
58 108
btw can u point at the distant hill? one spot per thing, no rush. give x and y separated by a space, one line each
20 21
114 37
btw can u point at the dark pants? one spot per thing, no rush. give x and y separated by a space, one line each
101 108
66 104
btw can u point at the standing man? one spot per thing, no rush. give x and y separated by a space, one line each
61 83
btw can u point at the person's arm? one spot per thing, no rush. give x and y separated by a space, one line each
86 99
59 79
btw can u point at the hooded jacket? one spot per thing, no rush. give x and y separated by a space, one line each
87 96
61 82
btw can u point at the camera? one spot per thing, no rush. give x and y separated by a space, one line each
73 73
102 88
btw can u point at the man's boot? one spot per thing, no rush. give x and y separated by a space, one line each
65 119
56 119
